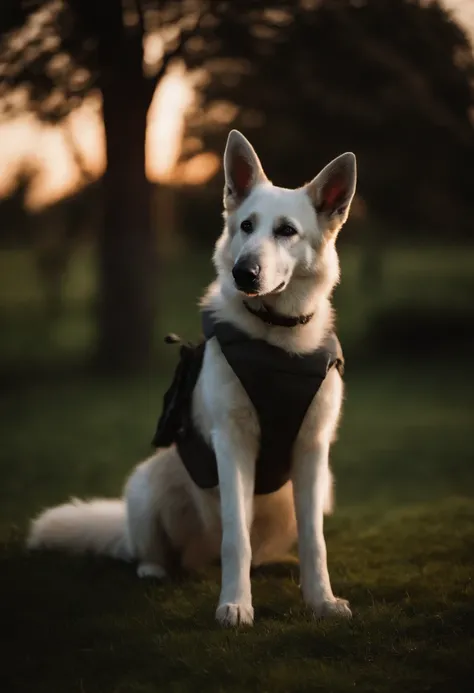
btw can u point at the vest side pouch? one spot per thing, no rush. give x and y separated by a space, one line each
177 400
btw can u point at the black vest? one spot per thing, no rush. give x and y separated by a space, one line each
280 385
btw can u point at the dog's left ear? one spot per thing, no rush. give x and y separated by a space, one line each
332 190
242 168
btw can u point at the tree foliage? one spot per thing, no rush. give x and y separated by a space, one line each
391 80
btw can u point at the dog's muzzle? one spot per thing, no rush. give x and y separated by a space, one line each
246 273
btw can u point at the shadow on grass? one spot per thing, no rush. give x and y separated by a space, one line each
83 623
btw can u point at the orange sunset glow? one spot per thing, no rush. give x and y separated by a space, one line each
65 157
49 151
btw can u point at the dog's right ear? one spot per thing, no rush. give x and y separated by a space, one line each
242 169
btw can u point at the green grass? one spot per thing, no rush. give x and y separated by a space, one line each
401 544
401 548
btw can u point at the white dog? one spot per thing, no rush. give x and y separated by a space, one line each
276 265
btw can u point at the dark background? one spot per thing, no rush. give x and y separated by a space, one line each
95 272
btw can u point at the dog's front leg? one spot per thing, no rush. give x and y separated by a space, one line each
236 466
310 483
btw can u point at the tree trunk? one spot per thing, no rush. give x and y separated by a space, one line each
127 248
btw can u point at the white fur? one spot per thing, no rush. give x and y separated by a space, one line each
162 508
98 526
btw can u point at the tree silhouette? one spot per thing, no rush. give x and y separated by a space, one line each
389 79
64 51
54 55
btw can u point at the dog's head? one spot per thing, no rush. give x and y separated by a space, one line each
274 235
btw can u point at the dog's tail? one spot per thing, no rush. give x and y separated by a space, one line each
98 526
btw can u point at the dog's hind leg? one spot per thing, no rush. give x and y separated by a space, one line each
165 528
145 530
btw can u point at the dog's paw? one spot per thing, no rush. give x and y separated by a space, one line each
235 614
151 570
332 608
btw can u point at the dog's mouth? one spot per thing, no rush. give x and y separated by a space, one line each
255 294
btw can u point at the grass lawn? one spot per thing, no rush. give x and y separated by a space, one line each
401 544
401 548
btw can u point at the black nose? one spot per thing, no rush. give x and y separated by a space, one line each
246 273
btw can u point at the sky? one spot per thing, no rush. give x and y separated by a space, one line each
464 11
47 148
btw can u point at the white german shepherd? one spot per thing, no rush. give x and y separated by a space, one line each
276 252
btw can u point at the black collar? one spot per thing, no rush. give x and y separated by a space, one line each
271 317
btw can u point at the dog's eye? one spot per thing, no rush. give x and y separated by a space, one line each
286 230
246 226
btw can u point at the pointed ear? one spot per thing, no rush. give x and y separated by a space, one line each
333 189
242 170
